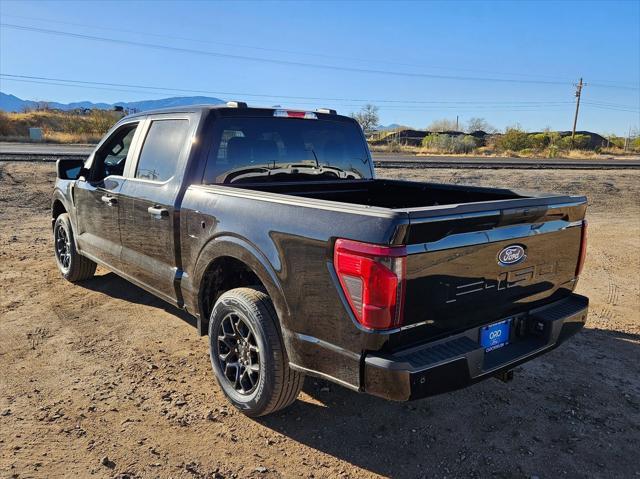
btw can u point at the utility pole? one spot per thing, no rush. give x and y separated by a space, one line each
457 129
575 118
627 140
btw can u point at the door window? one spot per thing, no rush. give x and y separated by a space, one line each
161 149
110 160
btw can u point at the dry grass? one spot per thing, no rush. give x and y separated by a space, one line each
488 152
395 148
61 137
58 126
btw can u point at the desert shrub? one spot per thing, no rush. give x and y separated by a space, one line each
6 127
528 151
469 143
539 141
513 139
553 151
394 146
617 141
579 142
449 143
433 141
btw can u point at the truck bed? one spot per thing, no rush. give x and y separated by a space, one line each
392 194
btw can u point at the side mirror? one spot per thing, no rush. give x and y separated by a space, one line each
70 169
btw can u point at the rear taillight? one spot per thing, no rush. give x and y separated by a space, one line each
373 280
583 248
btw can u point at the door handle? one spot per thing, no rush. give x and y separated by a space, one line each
110 200
158 212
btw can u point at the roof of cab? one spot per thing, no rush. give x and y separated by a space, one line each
231 105
180 109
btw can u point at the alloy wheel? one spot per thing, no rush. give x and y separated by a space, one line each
238 354
63 247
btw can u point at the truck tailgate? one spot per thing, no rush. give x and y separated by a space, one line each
456 279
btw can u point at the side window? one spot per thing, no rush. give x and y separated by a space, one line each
111 158
161 149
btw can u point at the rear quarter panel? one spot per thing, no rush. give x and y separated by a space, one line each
288 242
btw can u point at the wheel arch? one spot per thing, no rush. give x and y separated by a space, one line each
247 263
58 207
60 204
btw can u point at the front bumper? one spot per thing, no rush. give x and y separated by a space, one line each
458 361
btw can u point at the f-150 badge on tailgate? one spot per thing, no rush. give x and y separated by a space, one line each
511 255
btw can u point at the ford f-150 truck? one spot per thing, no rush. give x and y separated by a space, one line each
270 227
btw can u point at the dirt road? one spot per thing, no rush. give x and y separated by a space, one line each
103 380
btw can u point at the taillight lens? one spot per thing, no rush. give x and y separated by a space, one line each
583 248
372 278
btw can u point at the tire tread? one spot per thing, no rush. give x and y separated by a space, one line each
82 268
288 383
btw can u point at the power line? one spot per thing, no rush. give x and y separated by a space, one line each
286 51
414 105
606 104
282 62
289 97
417 109
610 108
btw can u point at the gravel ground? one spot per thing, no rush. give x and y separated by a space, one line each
103 380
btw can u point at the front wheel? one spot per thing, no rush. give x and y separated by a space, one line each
247 354
73 266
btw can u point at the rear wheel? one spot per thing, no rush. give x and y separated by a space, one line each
73 266
247 354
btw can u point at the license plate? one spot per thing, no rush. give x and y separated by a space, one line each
495 335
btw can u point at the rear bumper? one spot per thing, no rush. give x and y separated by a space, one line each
459 361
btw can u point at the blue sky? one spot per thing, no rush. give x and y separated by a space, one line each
509 62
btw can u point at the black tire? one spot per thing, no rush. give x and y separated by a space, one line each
274 386
72 265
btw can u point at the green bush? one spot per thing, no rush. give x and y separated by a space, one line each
514 139
450 143
539 141
579 142
469 143
616 141
553 151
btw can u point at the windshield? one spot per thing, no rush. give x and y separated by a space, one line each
286 149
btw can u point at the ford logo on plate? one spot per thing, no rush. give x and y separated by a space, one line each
511 255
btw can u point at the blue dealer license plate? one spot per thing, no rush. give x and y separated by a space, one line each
495 335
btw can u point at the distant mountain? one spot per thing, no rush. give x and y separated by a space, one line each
13 103
392 126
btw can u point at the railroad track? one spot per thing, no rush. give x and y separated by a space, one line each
40 153
517 164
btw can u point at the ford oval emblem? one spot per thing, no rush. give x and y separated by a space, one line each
511 255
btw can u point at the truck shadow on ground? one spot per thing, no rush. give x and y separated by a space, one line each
116 287
574 410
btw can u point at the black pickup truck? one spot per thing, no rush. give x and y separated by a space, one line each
269 226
